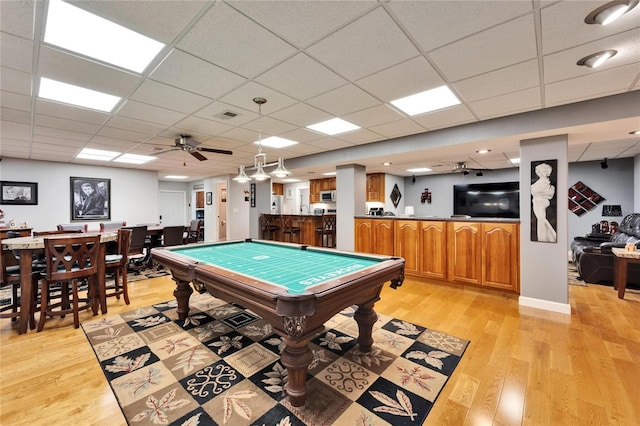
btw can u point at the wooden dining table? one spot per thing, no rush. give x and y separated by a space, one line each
28 246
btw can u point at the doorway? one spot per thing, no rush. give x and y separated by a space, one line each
221 191
172 207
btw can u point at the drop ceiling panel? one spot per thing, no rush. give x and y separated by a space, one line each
137 110
164 96
501 46
436 23
62 138
302 23
408 78
111 144
524 100
214 110
243 97
365 46
74 70
64 111
227 38
398 128
60 123
376 115
15 115
112 132
15 101
358 137
301 115
563 25
301 77
139 126
456 115
509 79
195 75
16 53
196 124
15 81
16 17
344 100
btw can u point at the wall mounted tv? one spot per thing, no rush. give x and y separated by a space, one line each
500 199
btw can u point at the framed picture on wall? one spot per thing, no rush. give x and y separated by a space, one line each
544 201
90 199
19 193
209 198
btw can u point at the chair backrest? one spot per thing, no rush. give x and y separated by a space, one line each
329 222
71 257
124 244
172 236
265 222
111 226
138 236
286 223
73 227
195 226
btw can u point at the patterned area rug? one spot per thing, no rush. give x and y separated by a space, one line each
574 277
222 366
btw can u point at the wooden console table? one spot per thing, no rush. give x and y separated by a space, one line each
620 261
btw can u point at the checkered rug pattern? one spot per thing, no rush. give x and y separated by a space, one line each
222 366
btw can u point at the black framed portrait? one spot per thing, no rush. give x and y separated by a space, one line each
18 193
544 201
90 199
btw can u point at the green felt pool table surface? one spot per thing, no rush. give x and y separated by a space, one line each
293 268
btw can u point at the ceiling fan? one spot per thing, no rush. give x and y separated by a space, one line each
186 144
464 168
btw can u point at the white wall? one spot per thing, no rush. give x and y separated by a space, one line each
134 193
636 183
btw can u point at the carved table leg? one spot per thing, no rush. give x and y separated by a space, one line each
365 316
182 293
296 357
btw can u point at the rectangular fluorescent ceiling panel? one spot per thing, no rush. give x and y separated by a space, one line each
419 170
276 142
97 154
134 159
175 177
75 95
82 32
334 126
430 100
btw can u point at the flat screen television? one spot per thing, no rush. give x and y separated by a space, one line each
501 200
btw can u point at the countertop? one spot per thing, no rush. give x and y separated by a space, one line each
445 219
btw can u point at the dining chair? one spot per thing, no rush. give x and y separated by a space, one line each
193 233
117 265
70 262
10 277
111 226
172 236
269 230
138 255
327 231
73 227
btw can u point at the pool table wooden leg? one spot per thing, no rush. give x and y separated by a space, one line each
365 316
182 293
296 357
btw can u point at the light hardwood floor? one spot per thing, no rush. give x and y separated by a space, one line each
523 366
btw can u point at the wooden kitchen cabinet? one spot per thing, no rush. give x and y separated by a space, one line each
407 244
277 188
433 249
374 236
501 256
464 247
200 199
314 190
375 187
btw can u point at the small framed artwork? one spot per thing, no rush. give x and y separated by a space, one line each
90 199
209 198
289 194
544 210
19 193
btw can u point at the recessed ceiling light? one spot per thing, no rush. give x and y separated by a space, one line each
610 12
419 170
483 151
134 159
97 154
597 59
175 177
80 31
290 180
637 132
329 174
386 163
276 142
514 160
75 95
430 100
334 126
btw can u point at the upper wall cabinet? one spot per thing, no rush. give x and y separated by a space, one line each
375 187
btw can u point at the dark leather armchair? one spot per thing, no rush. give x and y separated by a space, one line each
593 256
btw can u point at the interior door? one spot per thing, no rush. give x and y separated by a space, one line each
221 189
172 208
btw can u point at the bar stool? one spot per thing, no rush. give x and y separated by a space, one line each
327 232
117 264
268 228
288 229
70 260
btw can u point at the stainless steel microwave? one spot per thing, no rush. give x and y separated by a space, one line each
328 196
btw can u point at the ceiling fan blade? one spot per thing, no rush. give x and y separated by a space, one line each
198 155
164 151
215 150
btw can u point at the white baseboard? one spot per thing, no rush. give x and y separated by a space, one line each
563 308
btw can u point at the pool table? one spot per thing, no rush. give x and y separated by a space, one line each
297 288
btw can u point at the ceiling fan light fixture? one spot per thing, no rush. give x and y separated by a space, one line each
280 171
610 12
596 59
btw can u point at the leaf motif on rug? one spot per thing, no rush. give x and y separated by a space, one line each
190 360
333 341
225 343
401 407
158 409
126 364
432 358
140 383
234 403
